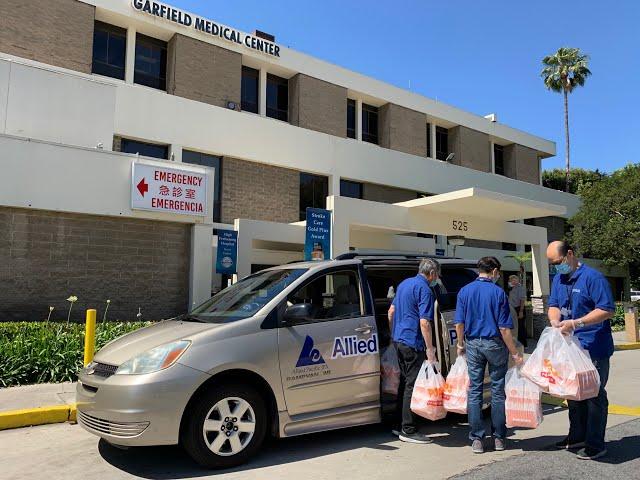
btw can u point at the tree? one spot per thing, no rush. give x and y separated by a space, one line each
563 71
522 258
580 178
607 225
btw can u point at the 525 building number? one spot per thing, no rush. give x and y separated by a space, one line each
460 225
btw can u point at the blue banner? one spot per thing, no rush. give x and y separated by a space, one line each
317 242
440 252
227 258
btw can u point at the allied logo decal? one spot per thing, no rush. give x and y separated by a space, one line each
309 354
353 347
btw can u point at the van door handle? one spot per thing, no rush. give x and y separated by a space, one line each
363 329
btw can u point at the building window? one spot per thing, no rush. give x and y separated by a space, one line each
145 149
511 247
211 161
442 143
429 140
109 50
350 189
151 62
369 123
498 159
351 118
250 88
277 97
313 192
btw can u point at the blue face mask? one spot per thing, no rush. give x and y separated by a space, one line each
563 268
495 279
433 283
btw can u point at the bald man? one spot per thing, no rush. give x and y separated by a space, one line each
581 302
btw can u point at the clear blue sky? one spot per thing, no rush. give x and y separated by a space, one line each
483 57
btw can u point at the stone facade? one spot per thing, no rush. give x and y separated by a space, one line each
200 71
402 129
472 148
522 163
318 105
556 227
56 32
386 194
47 256
259 192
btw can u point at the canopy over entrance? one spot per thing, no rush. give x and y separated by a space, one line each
471 213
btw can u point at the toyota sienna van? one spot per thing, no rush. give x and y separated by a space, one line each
289 350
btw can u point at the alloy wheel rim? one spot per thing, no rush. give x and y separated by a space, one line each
229 426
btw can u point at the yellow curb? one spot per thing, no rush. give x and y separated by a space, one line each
627 346
37 416
556 402
622 410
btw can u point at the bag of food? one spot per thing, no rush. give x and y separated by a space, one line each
426 399
523 406
561 367
456 387
390 371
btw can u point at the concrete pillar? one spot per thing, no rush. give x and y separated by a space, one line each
245 250
334 185
340 240
359 119
200 265
540 268
493 157
433 140
262 94
131 55
175 153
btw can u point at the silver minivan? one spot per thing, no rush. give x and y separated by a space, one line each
286 351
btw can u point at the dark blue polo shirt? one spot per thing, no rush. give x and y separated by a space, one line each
483 308
578 294
413 301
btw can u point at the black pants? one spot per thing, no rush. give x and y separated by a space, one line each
410 361
522 330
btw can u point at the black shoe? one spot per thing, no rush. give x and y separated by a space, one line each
565 444
416 437
589 453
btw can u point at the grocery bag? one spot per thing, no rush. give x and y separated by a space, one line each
523 406
390 371
561 367
454 396
426 399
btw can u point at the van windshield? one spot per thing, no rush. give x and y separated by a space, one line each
245 298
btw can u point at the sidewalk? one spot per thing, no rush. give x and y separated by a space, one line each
37 404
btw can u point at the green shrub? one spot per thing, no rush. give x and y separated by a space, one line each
43 352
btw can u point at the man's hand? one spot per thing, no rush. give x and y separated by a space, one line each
555 323
431 354
517 358
567 327
520 314
461 349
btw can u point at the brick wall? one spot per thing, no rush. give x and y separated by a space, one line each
386 194
200 71
259 192
318 105
472 148
47 256
555 226
403 129
57 32
522 163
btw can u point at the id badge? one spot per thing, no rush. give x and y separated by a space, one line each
565 312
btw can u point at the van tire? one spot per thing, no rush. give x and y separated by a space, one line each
193 440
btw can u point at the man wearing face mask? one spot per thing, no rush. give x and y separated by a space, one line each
410 318
483 320
581 302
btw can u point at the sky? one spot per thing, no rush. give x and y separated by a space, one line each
481 56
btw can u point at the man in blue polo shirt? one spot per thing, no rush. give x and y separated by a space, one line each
410 317
483 320
581 302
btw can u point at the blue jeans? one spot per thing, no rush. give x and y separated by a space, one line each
480 353
588 418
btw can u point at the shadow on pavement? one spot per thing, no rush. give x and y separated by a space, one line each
622 450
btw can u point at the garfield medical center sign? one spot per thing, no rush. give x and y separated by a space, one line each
168 190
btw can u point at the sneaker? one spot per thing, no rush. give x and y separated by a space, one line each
416 437
500 444
589 453
565 444
477 446
395 432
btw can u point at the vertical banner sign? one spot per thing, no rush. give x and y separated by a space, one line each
317 242
227 258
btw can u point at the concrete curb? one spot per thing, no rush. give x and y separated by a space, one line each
613 409
37 416
627 346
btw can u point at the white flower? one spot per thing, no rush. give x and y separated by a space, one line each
72 299
108 302
51 309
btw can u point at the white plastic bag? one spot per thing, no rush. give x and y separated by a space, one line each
426 399
456 387
561 367
523 406
390 371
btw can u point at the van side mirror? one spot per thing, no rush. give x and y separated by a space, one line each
298 313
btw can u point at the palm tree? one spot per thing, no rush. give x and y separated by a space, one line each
563 71
522 258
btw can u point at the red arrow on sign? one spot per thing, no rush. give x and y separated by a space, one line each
143 187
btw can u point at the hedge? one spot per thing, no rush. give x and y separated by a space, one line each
44 352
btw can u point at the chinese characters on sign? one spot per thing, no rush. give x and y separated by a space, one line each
168 190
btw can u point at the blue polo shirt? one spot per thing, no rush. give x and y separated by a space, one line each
483 308
413 301
578 294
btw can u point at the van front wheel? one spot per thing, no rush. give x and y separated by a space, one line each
226 426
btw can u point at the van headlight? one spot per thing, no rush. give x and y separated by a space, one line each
157 358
